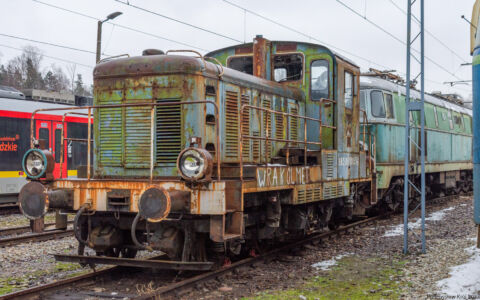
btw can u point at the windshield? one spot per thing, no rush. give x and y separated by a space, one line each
377 104
319 76
287 67
242 63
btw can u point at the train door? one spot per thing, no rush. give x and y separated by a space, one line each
321 99
43 132
57 149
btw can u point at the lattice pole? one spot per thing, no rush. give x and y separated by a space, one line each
414 106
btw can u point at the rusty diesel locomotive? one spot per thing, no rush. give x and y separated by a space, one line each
204 161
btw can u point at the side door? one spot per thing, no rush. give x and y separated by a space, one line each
57 149
320 96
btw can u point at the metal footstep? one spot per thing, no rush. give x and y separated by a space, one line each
139 263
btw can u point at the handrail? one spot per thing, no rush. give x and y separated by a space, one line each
112 57
152 104
365 123
222 70
267 138
193 51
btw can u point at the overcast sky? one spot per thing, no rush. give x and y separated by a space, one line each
325 20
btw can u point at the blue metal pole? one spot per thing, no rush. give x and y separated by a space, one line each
407 134
422 121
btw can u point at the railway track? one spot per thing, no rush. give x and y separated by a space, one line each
93 277
9 208
63 288
23 229
36 237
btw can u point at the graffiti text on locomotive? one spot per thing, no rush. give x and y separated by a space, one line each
281 176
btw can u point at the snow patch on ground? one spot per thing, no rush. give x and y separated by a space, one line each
436 216
464 279
327 264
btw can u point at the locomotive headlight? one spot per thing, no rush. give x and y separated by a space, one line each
36 163
195 164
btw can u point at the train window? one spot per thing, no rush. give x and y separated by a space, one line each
287 67
458 121
436 116
44 134
319 79
450 119
377 104
389 106
58 147
241 63
348 89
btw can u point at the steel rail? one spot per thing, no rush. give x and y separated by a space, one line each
22 229
38 237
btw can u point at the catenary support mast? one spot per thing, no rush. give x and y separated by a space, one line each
414 143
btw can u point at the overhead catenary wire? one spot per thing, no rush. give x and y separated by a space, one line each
373 63
397 39
306 35
119 25
179 21
429 33
52 57
46 43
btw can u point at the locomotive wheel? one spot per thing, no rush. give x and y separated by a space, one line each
119 252
128 252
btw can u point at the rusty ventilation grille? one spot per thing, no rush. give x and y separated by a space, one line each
332 191
246 128
169 131
110 134
137 135
232 124
331 161
278 120
293 125
309 195
267 123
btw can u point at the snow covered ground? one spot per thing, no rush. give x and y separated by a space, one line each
435 216
464 279
327 264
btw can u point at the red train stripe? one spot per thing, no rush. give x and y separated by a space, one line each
41 116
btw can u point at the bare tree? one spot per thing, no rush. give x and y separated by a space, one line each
71 71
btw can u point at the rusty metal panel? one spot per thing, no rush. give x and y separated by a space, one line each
209 201
329 163
346 163
363 165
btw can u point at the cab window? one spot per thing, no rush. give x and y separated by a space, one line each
241 63
288 67
348 90
363 97
319 79
389 106
377 105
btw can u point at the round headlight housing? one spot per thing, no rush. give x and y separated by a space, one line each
195 164
36 163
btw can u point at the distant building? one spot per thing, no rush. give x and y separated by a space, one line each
47 96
